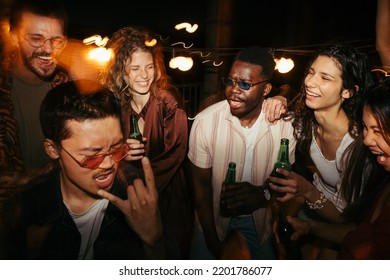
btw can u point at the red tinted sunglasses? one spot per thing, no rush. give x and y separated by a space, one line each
93 162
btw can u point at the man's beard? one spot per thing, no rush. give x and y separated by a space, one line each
46 76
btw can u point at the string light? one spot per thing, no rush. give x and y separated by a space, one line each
182 43
181 62
151 43
189 28
97 39
209 55
100 55
284 65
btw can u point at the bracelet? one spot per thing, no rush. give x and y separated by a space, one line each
319 204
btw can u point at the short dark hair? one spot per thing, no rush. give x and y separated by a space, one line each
75 100
46 8
258 56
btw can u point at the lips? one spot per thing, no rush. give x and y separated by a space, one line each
45 61
235 103
104 180
143 83
312 94
380 157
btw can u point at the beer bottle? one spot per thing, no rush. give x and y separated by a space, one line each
229 179
282 162
134 129
284 230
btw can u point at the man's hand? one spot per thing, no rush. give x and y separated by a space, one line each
141 207
242 198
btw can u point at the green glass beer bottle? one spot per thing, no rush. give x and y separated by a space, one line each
229 179
134 129
284 231
282 162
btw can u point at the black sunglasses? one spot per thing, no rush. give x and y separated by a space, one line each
241 84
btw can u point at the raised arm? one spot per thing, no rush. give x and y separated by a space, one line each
142 212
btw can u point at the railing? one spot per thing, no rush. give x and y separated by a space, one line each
192 94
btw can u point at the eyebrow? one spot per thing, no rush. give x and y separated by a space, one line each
98 149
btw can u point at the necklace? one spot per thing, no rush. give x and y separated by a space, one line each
249 125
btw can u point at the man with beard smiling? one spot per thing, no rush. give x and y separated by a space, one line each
236 130
37 36
78 210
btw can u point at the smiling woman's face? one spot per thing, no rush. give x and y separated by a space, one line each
375 140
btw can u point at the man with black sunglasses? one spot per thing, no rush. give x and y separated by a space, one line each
236 130
79 210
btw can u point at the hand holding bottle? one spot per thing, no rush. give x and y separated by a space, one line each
136 141
242 198
282 162
137 149
293 185
289 248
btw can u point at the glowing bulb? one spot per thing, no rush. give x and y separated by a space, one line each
97 39
100 55
151 43
284 65
181 62
187 26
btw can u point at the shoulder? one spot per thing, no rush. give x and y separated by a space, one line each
60 77
5 81
214 109
170 101
284 124
211 118
41 189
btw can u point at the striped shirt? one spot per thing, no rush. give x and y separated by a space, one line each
217 138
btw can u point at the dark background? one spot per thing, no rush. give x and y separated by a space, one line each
276 23
294 27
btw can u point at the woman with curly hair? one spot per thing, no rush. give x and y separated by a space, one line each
137 75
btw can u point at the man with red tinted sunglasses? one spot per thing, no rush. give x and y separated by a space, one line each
79 211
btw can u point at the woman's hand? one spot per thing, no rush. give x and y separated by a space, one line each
274 108
292 184
301 227
137 149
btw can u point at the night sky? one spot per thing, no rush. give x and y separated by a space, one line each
280 23
291 24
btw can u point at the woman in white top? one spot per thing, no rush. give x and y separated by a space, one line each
325 126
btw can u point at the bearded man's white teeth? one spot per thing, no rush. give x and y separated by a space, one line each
45 57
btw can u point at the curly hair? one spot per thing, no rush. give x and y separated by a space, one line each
124 43
356 77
